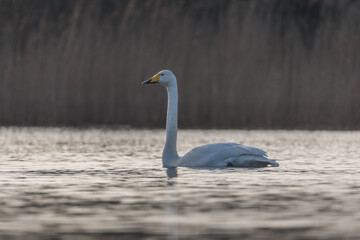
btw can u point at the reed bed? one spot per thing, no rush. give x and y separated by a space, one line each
239 64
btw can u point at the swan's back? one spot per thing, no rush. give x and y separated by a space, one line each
226 154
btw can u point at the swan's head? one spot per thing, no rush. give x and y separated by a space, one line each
164 77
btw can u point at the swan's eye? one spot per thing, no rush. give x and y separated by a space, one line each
162 74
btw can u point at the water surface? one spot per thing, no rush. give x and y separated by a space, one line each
63 183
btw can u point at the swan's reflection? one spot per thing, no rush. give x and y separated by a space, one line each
172 204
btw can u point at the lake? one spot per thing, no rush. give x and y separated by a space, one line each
103 183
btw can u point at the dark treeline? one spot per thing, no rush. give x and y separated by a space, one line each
239 63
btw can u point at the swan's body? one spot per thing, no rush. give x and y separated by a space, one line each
225 155
210 155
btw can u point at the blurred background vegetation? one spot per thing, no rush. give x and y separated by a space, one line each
239 63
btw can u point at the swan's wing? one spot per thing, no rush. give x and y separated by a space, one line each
252 150
223 154
250 161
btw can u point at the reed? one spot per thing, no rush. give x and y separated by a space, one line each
239 64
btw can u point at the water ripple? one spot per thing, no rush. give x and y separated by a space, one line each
59 183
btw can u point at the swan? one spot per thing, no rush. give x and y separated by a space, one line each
210 155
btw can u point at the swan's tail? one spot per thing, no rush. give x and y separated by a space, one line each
273 163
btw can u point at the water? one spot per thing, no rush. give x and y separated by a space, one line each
61 183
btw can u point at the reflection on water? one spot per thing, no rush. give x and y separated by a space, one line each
172 204
109 184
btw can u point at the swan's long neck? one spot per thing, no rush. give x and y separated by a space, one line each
170 155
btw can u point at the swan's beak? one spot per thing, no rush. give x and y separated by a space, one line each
154 79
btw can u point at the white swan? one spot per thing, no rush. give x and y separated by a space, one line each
210 155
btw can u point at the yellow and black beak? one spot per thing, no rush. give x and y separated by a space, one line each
154 79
